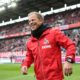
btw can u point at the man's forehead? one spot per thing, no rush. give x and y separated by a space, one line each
32 16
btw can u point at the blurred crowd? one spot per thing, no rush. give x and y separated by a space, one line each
74 34
18 43
14 28
68 17
63 18
13 44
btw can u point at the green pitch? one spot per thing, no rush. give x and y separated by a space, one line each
12 72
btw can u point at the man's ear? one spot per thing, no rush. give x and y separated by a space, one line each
41 21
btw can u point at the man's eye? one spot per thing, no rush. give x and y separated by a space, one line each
32 20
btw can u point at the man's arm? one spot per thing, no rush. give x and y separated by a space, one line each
69 45
27 61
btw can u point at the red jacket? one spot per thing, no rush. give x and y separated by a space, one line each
45 52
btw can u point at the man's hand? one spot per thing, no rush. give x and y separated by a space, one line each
24 70
67 68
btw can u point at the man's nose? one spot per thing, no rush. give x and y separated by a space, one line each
30 22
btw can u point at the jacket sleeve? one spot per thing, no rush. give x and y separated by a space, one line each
66 43
28 59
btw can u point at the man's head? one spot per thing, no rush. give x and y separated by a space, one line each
35 20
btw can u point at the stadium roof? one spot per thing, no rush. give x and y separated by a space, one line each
26 6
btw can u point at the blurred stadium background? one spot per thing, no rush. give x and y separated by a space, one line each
14 32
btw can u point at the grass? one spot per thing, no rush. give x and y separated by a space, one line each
12 72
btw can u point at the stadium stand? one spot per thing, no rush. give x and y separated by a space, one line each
18 44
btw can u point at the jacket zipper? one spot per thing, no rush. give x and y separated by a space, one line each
40 60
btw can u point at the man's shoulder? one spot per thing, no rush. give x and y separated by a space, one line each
54 29
28 40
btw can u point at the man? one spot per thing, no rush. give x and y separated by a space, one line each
44 50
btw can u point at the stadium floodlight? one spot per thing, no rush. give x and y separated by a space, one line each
51 8
6 1
3 2
2 9
3 21
73 7
46 13
13 4
40 12
78 5
68 8
62 9
56 11
19 17
65 5
59 10
10 19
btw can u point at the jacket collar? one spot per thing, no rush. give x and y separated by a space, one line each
38 32
47 31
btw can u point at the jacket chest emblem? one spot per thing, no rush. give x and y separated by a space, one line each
46 44
46 41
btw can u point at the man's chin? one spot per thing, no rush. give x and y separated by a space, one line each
33 29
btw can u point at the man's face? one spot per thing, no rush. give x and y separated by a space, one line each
34 22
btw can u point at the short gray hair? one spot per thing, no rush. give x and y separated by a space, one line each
39 16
